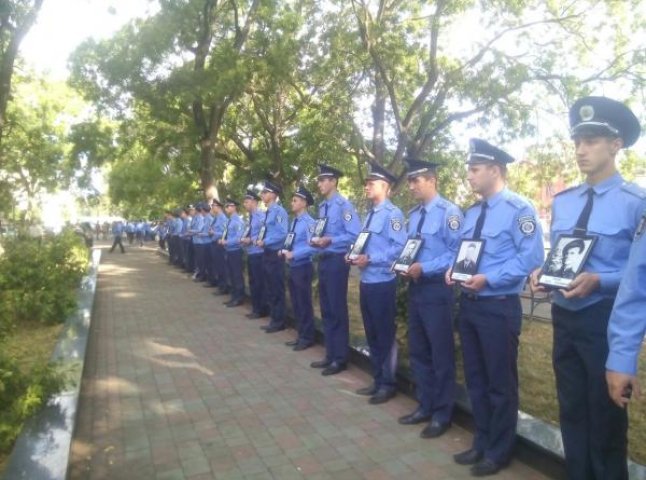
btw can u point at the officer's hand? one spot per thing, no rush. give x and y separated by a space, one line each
476 283
583 285
533 282
324 242
221 242
447 277
361 261
260 243
288 255
246 241
414 271
619 384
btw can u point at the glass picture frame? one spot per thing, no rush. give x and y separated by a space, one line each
359 246
319 228
288 244
408 255
467 260
565 260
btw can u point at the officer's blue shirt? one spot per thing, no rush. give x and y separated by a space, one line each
130 228
117 228
387 239
186 225
301 248
219 222
196 228
234 233
441 233
276 222
256 218
343 224
178 226
203 236
627 323
513 245
616 210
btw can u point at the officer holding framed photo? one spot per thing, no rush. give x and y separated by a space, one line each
298 256
378 288
609 209
273 264
490 315
438 224
341 228
233 248
254 256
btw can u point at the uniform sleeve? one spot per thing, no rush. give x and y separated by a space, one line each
528 239
234 234
396 241
351 226
276 228
627 323
451 235
304 250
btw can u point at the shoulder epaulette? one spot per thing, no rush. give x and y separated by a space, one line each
390 206
442 203
516 201
341 200
634 189
566 190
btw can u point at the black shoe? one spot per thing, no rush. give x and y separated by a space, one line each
468 457
209 285
302 346
274 329
252 316
434 429
264 327
367 391
234 303
221 292
418 416
292 343
321 363
334 368
382 396
486 467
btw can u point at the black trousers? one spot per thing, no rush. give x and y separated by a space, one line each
117 241
273 266
256 283
594 429
235 266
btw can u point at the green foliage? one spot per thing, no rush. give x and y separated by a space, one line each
38 279
22 395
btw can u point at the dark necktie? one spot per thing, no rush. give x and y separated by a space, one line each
480 221
582 223
420 224
325 209
226 229
372 212
266 215
294 224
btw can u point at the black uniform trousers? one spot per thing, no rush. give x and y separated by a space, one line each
235 265
594 429
117 241
256 283
300 293
431 346
220 266
200 260
378 303
176 253
489 331
273 266
333 297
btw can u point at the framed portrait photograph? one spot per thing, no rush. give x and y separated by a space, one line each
565 260
225 232
408 255
467 261
262 232
359 245
247 231
319 228
288 244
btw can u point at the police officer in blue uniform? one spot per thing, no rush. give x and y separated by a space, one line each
186 242
273 264
175 253
378 286
233 248
301 271
490 312
342 227
605 206
627 323
254 256
205 240
438 223
117 232
217 249
195 231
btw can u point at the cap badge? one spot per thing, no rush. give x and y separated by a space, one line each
586 112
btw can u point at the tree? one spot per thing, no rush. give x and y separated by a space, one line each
16 18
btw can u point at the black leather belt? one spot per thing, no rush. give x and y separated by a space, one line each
325 255
434 280
487 298
269 251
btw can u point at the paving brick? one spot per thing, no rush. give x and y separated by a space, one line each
178 387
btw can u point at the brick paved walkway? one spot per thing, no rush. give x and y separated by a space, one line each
176 386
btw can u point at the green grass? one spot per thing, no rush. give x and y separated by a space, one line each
31 344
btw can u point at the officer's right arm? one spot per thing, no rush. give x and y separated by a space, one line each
351 226
451 234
